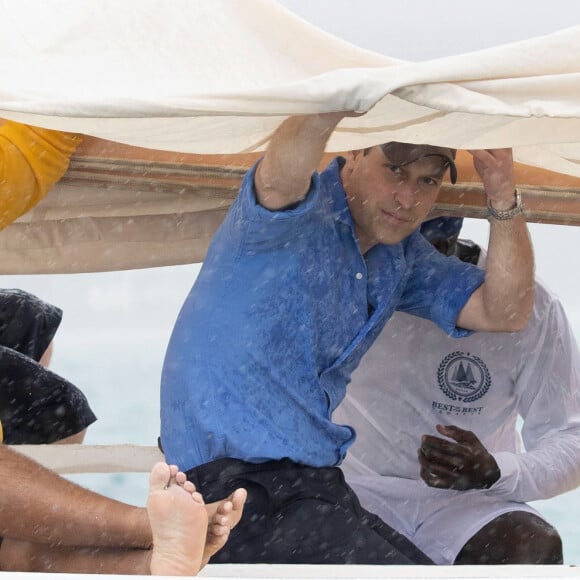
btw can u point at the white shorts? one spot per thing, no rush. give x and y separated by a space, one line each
438 521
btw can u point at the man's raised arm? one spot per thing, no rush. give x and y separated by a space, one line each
295 150
505 300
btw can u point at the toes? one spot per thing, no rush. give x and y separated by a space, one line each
218 530
225 508
220 520
173 470
188 486
160 476
238 498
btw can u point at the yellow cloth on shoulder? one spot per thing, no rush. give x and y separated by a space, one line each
32 160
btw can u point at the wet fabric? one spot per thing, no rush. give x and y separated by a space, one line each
27 324
300 515
483 383
280 315
218 76
487 383
36 405
32 160
438 521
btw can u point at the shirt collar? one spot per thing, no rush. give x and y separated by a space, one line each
332 183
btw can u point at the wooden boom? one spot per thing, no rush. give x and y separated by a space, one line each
121 207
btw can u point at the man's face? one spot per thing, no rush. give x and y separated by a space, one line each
388 202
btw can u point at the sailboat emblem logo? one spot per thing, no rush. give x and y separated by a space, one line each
463 376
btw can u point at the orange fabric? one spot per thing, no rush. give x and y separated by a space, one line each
32 160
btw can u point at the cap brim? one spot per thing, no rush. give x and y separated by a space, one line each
407 153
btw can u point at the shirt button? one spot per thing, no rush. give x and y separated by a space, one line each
358 276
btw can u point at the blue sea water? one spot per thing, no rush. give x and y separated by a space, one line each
116 325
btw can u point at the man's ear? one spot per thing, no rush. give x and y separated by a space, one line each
352 156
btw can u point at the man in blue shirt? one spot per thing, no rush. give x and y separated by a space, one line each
298 282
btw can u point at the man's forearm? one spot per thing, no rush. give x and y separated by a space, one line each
508 292
38 505
294 153
505 300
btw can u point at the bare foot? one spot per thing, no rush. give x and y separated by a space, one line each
223 517
178 521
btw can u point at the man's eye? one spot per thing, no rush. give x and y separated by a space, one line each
430 181
396 169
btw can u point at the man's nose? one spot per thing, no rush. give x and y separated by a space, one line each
406 194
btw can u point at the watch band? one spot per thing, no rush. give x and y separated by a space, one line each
507 214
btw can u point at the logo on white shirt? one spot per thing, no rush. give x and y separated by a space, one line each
462 376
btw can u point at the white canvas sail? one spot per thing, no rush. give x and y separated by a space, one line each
218 76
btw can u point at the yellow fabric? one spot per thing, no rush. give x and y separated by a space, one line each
32 160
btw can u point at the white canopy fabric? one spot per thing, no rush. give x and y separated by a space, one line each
218 76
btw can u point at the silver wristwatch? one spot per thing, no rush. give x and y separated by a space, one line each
507 214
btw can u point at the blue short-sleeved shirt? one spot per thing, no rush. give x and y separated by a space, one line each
283 309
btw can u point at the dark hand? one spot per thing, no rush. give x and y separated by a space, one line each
460 464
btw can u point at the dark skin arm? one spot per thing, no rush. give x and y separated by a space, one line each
461 464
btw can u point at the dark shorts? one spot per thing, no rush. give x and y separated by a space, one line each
36 405
27 324
300 515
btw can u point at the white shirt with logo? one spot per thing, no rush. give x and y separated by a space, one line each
415 377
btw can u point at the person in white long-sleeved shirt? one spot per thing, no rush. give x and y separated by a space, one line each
438 455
